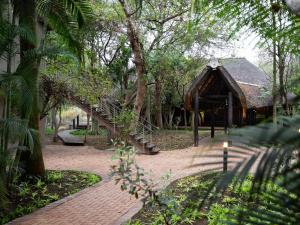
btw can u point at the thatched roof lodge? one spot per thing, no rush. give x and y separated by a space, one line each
232 92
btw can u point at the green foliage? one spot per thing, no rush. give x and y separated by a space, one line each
226 208
27 196
258 15
271 195
101 132
49 131
172 205
54 177
19 89
125 118
91 179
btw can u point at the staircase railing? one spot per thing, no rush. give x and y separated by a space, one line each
143 128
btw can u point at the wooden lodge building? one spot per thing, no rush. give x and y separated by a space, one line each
229 92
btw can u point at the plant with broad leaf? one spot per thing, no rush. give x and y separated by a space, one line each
132 178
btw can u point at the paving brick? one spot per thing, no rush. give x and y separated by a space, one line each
105 203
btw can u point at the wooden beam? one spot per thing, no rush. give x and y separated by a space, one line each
196 118
207 83
216 96
230 109
205 100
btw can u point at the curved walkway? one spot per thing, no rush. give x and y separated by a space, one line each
70 139
105 203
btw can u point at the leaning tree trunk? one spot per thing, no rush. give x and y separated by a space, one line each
31 162
138 59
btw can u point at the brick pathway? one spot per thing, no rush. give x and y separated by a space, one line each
105 203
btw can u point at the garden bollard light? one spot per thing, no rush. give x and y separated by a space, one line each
225 156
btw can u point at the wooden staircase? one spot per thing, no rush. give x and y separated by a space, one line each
106 113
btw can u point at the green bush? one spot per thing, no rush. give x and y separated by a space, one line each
49 131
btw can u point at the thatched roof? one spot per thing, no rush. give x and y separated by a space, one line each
244 71
247 82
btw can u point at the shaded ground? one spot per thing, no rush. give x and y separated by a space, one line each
168 140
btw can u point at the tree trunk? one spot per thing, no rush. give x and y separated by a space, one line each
138 59
171 115
148 109
43 125
185 118
31 163
281 72
88 120
274 86
158 108
57 123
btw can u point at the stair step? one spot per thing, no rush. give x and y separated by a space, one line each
144 142
150 146
154 151
138 138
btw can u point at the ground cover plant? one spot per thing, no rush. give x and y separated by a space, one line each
34 193
188 194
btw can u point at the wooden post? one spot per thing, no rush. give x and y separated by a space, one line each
225 116
230 109
196 119
77 121
212 124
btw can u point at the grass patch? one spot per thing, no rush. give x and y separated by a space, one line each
35 193
82 132
49 131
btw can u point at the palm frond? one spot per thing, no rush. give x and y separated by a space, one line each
67 18
274 160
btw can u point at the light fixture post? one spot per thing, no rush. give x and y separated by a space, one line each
225 156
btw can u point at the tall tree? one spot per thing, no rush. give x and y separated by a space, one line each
139 60
31 163
59 15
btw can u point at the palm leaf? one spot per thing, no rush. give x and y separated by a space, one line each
276 164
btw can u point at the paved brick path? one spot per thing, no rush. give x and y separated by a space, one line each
105 203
